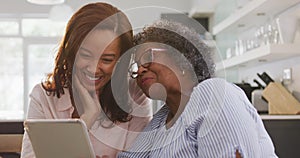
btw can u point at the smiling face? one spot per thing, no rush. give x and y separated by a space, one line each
160 73
96 59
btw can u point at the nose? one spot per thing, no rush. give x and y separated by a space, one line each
141 70
93 66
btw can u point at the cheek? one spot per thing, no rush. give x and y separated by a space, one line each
79 64
139 82
167 76
164 72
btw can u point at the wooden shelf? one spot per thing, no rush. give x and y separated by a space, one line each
264 54
253 13
280 117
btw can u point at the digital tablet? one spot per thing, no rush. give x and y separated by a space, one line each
59 138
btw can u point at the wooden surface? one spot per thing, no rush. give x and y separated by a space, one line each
280 100
11 142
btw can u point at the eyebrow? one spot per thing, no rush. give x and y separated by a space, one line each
108 55
104 54
86 50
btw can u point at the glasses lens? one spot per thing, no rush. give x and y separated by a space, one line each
134 75
133 69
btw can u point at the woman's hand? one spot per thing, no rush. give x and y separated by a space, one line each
89 103
237 154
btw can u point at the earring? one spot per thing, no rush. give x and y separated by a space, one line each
182 68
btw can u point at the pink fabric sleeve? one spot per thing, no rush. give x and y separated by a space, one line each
35 110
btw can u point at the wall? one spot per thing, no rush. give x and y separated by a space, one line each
140 12
274 69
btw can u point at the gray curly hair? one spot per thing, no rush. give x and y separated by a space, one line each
199 57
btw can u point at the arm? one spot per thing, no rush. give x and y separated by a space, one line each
234 130
35 111
226 123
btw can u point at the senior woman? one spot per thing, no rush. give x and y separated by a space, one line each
203 116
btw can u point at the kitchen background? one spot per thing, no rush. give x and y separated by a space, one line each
246 28
252 36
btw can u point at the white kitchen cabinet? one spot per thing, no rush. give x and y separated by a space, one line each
254 13
264 54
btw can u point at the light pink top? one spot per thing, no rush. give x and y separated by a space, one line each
106 141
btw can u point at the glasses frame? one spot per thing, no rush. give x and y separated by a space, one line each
134 75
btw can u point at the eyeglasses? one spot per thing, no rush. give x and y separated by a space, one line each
145 61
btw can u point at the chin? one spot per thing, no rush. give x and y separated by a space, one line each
157 92
93 87
90 88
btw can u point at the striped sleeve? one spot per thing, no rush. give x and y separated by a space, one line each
228 122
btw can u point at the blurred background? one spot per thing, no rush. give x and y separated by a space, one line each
258 42
252 37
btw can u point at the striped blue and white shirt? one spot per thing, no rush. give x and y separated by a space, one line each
217 121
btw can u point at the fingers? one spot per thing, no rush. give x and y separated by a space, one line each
87 102
237 154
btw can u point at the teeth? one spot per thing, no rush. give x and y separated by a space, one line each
92 78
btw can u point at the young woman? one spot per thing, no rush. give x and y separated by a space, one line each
90 57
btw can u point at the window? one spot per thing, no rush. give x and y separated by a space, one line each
11 78
43 56
27 50
9 27
42 28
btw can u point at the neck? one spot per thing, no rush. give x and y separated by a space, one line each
176 102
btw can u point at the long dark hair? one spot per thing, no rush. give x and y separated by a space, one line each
81 23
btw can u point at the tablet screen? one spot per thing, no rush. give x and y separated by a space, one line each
65 138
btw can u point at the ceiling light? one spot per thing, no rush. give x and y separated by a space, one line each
46 2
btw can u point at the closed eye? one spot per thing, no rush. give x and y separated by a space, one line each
85 53
106 60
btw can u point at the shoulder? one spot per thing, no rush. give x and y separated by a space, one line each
217 86
215 90
206 95
213 97
213 85
40 96
38 91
